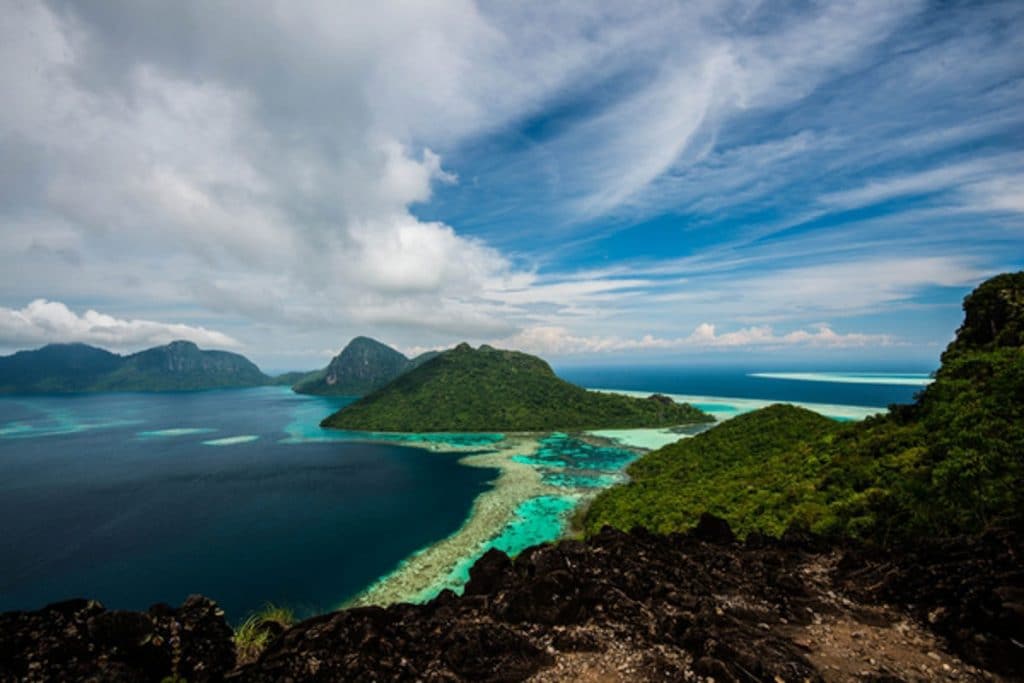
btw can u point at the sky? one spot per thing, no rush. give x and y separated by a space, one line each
619 182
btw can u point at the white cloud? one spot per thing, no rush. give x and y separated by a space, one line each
559 341
1002 194
43 322
918 183
160 156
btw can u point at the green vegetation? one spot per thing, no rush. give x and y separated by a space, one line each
951 462
475 390
180 365
362 367
755 470
253 635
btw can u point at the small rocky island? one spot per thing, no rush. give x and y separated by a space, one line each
492 390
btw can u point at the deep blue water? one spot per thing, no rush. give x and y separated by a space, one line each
94 503
735 383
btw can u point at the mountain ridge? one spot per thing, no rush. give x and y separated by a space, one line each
77 367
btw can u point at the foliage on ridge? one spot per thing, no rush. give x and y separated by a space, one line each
486 389
951 462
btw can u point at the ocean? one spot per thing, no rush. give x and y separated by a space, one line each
134 499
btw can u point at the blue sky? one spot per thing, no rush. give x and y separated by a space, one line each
676 182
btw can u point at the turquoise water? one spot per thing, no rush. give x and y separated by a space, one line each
538 520
577 469
568 462
908 379
134 499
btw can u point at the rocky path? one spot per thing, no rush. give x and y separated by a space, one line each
619 607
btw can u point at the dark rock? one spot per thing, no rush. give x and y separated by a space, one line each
729 609
713 529
80 640
492 652
964 588
487 574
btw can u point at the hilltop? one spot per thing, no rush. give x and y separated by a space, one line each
180 365
487 389
951 462
363 366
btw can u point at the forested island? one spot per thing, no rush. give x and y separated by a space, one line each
489 390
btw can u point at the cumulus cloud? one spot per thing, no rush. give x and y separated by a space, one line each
42 322
560 341
148 149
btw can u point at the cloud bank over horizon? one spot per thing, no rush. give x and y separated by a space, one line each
42 322
651 178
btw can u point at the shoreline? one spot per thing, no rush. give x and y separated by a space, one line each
430 569
519 492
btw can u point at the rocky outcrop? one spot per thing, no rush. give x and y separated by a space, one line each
80 640
362 367
970 590
625 606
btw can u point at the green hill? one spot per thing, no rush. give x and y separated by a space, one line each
751 470
56 368
363 366
180 365
473 390
951 462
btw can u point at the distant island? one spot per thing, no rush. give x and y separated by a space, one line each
178 366
487 389
362 367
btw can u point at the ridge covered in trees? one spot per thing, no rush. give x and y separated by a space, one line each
951 462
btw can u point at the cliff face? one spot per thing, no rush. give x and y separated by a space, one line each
363 366
627 607
182 365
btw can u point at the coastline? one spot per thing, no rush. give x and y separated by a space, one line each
437 566
534 498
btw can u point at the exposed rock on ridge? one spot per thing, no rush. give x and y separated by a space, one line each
627 607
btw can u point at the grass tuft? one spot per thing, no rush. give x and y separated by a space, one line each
252 635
